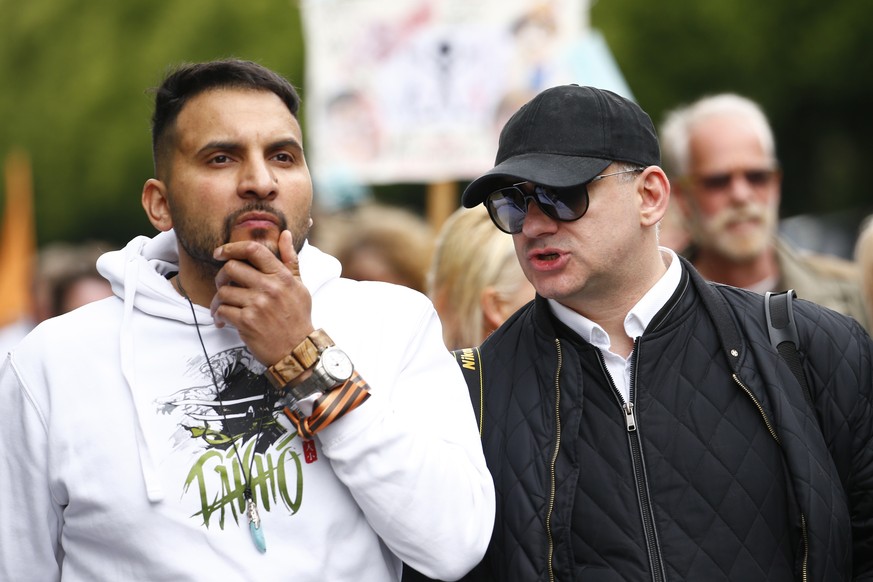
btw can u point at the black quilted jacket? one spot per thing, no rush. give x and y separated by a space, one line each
718 471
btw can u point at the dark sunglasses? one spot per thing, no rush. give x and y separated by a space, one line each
720 182
508 206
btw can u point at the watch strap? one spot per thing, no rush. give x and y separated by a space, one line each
330 407
308 387
284 371
311 347
301 358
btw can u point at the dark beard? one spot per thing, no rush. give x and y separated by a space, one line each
199 244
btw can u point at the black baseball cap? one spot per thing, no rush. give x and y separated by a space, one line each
565 136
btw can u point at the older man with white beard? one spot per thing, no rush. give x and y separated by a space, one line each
721 157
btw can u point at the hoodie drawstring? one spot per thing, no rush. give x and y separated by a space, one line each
150 476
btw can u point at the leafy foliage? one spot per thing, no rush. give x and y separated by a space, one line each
74 75
804 61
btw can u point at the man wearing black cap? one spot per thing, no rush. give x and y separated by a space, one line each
636 420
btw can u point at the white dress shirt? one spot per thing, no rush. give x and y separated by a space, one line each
635 321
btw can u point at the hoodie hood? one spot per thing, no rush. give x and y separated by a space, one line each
139 274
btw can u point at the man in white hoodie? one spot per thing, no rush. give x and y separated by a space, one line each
237 411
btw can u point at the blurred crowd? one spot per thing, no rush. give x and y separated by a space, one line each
720 154
65 277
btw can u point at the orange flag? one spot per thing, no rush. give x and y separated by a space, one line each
17 240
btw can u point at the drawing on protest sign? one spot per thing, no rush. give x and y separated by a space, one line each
417 91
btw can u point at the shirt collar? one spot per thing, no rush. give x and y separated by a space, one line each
638 318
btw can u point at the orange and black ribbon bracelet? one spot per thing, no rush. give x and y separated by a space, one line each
330 407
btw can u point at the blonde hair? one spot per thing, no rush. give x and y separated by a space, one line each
470 255
396 238
864 259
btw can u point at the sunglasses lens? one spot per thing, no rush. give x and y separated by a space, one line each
507 208
566 204
716 182
758 177
720 182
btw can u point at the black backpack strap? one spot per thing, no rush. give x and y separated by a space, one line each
470 361
779 310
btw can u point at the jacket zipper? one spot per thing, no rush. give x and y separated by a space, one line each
804 574
627 407
656 562
554 461
804 533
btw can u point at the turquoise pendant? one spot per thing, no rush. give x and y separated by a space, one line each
255 526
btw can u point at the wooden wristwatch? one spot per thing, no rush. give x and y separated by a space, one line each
301 358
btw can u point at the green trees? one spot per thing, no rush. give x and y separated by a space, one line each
807 62
73 73
74 76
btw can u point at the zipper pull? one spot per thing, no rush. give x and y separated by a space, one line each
629 417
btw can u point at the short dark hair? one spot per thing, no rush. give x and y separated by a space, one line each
188 80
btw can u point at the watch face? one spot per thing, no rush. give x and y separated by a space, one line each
337 364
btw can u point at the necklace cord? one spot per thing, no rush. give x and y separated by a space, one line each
246 477
328 407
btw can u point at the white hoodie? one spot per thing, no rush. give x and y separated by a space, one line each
116 463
